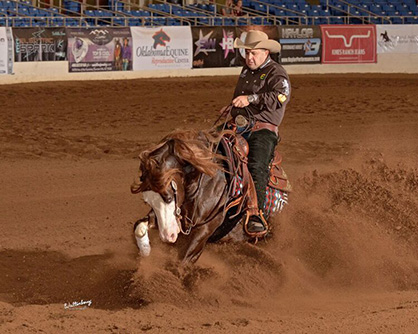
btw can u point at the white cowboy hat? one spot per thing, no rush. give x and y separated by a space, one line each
258 40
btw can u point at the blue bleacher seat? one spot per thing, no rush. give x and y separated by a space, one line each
160 21
58 22
203 21
342 9
217 21
411 20
414 9
40 22
119 21
256 20
399 11
375 20
119 6
396 20
336 20
132 22
211 8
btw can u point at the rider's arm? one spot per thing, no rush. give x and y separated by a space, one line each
277 94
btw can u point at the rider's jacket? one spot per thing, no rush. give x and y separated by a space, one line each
270 87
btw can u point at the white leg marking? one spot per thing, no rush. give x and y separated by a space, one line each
142 239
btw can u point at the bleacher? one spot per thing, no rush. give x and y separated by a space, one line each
256 12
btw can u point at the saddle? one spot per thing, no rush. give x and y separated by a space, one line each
242 191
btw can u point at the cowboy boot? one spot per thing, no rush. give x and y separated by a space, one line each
256 225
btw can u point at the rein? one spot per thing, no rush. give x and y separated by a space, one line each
190 222
177 211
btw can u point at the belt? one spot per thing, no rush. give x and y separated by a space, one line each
260 126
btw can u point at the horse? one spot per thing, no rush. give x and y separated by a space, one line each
385 36
183 179
117 55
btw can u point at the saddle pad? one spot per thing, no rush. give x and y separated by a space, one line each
275 201
275 198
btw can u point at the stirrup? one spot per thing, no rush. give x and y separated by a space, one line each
256 234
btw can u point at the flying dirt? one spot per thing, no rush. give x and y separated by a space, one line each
342 257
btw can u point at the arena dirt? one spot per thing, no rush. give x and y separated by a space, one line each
343 256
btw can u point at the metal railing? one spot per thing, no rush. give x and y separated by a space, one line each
59 16
365 18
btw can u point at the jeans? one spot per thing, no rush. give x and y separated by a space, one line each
262 144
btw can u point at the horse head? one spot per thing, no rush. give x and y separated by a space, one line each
169 173
160 38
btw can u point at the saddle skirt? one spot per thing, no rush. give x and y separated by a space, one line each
242 191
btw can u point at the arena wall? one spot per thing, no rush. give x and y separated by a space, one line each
58 71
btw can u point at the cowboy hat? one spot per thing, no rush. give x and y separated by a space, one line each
258 40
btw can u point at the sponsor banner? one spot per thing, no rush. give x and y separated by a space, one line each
271 31
397 38
99 49
162 48
40 44
6 50
213 46
300 44
348 44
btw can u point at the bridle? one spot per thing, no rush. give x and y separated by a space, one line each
177 211
189 223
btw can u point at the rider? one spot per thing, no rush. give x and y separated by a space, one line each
261 96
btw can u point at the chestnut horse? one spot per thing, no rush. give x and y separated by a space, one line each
184 182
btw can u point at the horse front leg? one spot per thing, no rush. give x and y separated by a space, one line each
198 239
141 227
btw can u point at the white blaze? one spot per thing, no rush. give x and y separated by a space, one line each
167 223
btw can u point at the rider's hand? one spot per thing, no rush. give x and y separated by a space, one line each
240 101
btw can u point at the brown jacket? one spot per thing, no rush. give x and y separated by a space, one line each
271 86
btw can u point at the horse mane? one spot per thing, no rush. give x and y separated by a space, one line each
189 146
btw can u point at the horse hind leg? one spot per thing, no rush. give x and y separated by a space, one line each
141 236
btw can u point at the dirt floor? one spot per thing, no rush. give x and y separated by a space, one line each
343 257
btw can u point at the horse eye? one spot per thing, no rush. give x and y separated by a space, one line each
168 198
